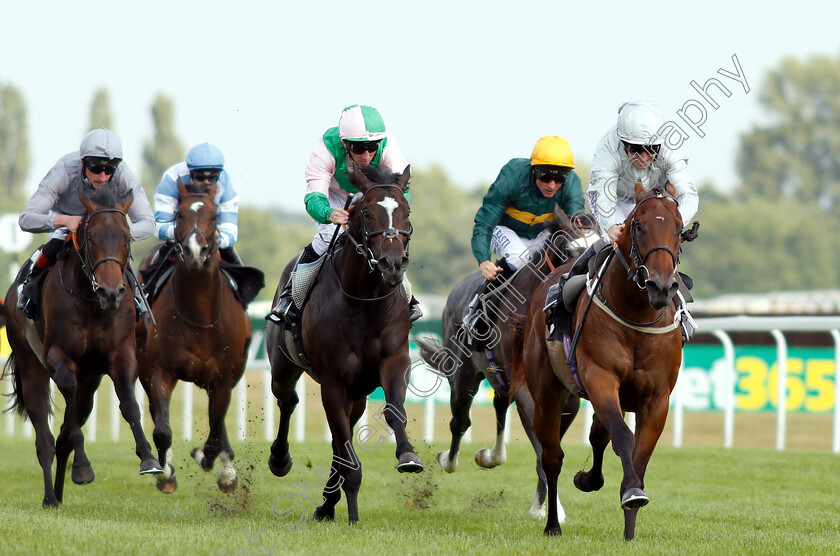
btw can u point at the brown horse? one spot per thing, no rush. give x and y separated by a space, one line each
355 335
87 312
506 306
628 355
197 311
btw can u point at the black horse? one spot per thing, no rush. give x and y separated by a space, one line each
355 335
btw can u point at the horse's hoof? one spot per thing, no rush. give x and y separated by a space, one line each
552 531
409 462
228 488
82 474
50 502
484 458
584 482
198 455
150 467
280 466
323 514
634 498
449 465
167 486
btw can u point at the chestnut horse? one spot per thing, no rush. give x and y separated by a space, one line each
465 369
628 355
87 312
355 336
197 311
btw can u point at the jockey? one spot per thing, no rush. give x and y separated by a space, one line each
361 136
55 205
204 164
512 217
633 151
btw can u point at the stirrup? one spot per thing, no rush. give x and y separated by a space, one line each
284 311
414 311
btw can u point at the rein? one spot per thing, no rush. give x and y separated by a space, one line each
83 251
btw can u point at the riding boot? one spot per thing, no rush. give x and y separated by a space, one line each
477 325
687 325
285 309
40 261
230 255
139 304
580 266
414 311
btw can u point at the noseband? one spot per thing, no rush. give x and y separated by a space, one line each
641 273
180 238
83 250
387 234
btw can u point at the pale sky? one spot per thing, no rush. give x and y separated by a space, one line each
466 85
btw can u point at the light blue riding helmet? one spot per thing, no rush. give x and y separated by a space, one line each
205 155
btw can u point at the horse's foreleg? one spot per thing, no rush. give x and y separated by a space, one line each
463 388
599 437
217 441
394 376
279 460
158 388
650 422
547 420
82 471
346 469
71 435
123 371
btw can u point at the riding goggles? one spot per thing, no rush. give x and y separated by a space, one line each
98 166
360 147
557 175
631 148
198 176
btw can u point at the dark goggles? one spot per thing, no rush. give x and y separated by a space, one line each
360 147
652 150
198 176
97 166
558 175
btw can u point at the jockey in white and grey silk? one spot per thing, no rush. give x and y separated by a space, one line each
202 159
614 173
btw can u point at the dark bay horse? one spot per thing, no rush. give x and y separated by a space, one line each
465 369
88 315
202 336
628 355
355 336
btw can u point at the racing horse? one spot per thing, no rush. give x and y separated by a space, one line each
197 311
354 331
87 317
627 357
465 369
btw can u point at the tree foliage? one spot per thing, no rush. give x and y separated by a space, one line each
797 154
100 110
165 148
14 142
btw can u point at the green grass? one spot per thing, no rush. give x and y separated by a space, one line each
704 500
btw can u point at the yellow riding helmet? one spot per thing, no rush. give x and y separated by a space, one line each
553 151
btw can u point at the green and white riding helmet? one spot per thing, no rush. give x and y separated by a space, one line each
361 122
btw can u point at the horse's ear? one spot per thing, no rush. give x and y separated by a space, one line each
356 176
404 177
640 191
84 196
669 187
126 201
562 218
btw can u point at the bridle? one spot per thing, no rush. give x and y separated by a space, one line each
387 234
640 273
180 238
83 250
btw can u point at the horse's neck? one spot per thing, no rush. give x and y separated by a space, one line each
199 288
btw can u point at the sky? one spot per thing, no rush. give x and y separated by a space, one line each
465 85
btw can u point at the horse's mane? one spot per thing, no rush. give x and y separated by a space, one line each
197 188
107 196
381 175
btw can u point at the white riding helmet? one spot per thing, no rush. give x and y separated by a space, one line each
639 123
101 143
361 122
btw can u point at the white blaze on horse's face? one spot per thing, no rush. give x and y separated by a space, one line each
389 204
192 242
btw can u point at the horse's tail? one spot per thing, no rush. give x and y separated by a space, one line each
517 374
16 395
429 346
